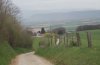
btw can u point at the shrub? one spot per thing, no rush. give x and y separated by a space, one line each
73 43
43 43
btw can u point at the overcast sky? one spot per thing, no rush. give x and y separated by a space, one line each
57 5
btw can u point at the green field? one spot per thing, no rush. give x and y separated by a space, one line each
73 55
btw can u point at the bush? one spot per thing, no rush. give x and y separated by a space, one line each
43 44
49 35
73 43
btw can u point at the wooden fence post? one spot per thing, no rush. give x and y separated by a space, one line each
65 41
59 41
89 38
72 36
78 39
48 41
67 38
55 40
51 41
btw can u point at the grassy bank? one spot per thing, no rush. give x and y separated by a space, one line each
19 50
6 53
75 55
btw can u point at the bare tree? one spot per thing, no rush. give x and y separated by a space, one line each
8 15
10 28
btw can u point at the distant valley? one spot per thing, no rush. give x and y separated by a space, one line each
69 19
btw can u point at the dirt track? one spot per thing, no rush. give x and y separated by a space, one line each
30 59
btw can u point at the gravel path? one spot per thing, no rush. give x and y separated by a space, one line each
29 59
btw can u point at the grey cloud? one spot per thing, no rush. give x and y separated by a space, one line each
40 5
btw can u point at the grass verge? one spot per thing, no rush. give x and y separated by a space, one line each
6 53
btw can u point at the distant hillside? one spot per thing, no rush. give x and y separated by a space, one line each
60 17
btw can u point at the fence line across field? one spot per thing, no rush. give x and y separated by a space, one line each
68 39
